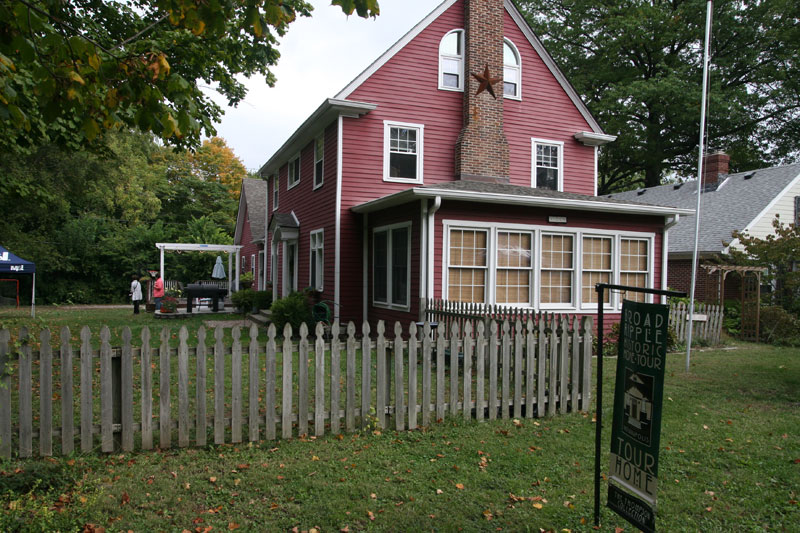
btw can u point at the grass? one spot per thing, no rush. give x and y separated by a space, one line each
730 461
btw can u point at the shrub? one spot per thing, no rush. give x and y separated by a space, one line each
294 310
779 327
263 299
732 322
243 299
169 304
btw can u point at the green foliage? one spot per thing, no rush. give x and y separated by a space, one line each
89 221
294 310
169 304
639 68
247 277
732 320
779 327
72 71
779 252
263 299
244 299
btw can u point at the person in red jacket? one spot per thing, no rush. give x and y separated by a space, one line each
158 292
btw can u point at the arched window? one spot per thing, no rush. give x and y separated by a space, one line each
512 70
451 61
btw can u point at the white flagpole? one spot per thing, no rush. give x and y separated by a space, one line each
709 10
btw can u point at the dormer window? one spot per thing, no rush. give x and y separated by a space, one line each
451 61
512 71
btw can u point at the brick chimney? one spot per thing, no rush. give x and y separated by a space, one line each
714 165
482 148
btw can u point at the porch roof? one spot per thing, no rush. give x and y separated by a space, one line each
499 193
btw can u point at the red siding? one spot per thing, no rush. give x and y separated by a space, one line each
248 248
314 208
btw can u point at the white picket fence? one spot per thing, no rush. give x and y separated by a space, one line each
411 377
707 324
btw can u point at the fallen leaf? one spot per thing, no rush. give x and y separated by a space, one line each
373 496
212 479
460 486
125 499
370 515
439 491
537 505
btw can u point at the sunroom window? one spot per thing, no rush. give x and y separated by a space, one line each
633 270
596 268
451 61
514 267
467 272
557 269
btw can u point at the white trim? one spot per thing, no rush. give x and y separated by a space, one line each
572 203
321 252
460 58
396 47
389 229
534 143
289 184
285 266
388 125
595 170
763 212
574 302
322 159
437 203
423 247
537 231
276 186
337 238
537 45
590 138
517 68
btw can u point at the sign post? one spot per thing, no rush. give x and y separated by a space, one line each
636 427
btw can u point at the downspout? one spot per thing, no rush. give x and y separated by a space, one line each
365 268
437 203
338 219
423 268
665 253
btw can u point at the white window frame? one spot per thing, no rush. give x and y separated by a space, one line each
537 231
319 177
488 268
648 273
275 188
614 268
387 129
560 144
531 269
316 246
574 268
460 59
389 304
517 69
253 265
285 268
289 183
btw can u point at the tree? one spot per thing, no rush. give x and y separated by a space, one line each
638 66
780 253
70 71
214 160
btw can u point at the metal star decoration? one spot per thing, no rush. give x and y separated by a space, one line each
486 82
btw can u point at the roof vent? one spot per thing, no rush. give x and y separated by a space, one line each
749 175
641 192
677 186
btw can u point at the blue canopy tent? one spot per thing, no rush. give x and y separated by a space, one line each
11 264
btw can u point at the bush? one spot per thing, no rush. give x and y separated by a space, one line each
243 300
779 327
732 321
169 304
263 299
293 309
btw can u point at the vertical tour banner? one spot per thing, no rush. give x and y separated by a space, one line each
636 427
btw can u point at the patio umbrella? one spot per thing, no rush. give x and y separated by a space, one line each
219 270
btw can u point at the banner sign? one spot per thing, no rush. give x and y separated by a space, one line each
636 427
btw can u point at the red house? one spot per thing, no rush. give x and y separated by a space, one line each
460 165
250 234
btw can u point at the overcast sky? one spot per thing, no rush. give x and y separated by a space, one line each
319 56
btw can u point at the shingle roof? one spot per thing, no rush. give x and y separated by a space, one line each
736 202
254 191
284 220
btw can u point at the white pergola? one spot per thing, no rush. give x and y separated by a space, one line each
230 249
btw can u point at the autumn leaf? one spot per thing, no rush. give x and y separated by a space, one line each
213 479
460 486
125 499
537 505
232 526
370 515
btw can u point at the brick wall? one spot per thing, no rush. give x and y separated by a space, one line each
482 148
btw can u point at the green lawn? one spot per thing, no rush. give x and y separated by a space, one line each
730 461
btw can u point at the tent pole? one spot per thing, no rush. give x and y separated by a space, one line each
33 297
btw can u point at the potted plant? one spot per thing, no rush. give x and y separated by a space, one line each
169 304
246 280
243 300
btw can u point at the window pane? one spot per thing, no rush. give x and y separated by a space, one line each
450 80
509 57
509 89
400 266
451 44
403 166
380 267
547 166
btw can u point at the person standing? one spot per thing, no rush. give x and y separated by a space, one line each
158 292
136 293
